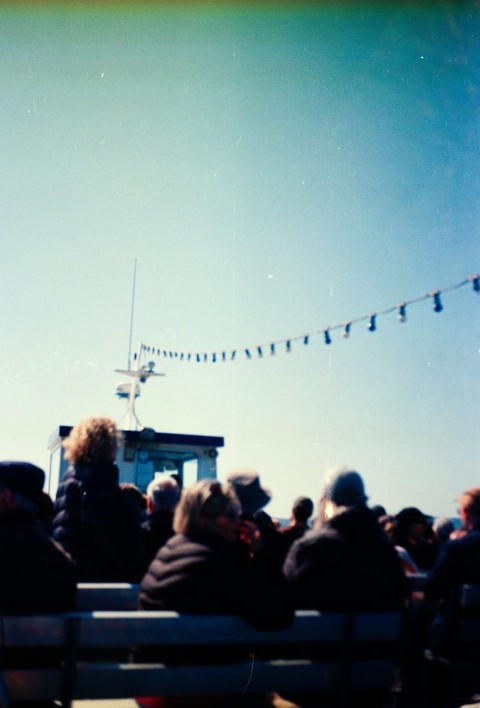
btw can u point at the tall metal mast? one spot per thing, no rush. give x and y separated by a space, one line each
131 314
139 374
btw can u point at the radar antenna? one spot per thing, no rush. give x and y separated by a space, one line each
131 390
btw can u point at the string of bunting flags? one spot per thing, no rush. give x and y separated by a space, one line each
325 333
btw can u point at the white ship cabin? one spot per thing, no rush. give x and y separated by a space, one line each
144 454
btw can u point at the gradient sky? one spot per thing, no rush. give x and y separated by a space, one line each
274 169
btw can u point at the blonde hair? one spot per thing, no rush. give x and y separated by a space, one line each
94 439
202 502
327 510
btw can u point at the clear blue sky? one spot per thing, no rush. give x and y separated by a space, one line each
275 169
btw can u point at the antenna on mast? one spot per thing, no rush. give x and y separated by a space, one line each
138 375
131 314
131 391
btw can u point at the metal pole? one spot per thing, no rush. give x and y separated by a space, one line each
133 391
131 312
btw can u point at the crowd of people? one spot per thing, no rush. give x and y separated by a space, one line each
212 548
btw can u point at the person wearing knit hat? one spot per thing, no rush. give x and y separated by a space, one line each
346 561
37 576
344 487
22 478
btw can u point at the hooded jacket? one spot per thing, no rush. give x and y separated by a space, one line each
347 564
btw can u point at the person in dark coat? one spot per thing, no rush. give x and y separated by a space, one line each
94 521
432 668
265 541
458 564
37 575
346 562
301 512
163 495
204 568
413 532
136 498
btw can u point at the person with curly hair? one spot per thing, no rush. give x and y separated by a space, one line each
94 521
94 439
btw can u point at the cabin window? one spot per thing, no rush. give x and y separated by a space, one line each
190 471
150 463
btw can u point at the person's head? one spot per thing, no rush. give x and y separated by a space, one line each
343 489
388 523
94 439
163 494
264 522
412 522
208 505
442 528
246 485
378 511
302 509
135 497
21 486
469 509
178 479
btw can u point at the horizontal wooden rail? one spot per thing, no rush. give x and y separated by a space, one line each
358 653
124 596
107 596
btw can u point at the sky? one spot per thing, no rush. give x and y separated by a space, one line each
270 170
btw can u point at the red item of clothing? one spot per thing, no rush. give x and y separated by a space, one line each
180 701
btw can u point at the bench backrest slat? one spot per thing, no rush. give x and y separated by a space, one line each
470 596
32 631
122 629
161 628
106 596
126 680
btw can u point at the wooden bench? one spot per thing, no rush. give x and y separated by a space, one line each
453 671
468 634
334 653
470 596
106 596
416 582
